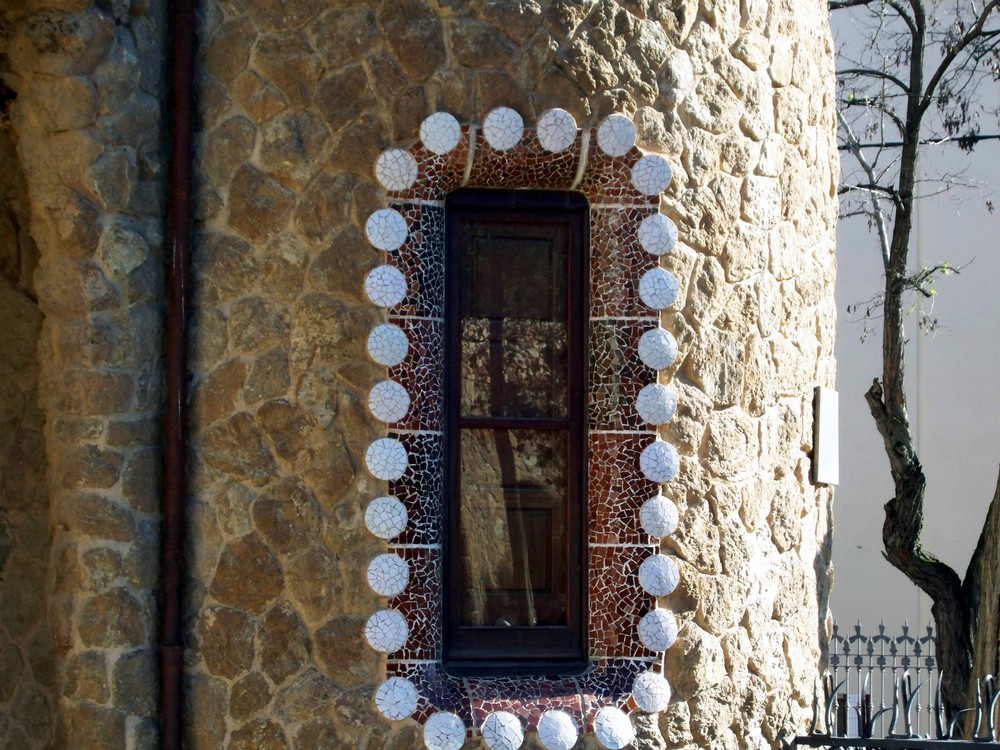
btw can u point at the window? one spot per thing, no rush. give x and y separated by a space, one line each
515 432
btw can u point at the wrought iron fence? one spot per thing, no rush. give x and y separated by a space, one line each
883 691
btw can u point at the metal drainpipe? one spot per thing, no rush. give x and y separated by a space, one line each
173 566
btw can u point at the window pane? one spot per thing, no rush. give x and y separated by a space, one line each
514 348
513 520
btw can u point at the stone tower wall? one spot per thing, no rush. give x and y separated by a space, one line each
297 100
87 79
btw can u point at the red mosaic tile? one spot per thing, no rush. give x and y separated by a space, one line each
421 260
609 684
421 487
617 374
617 489
617 601
608 179
617 262
420 603
437 175
528 164
421 373
528 697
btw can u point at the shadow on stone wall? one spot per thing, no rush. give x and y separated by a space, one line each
26 664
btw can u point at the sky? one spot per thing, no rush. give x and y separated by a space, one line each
954 395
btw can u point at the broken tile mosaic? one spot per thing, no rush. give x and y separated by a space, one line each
385 517
387 344
657 234
659 516
616 490
651 174
396 169
659 461
651 692
502 731
613 729
386 459
656 403
386 229
440 132
421 373
386 631
421 259
627 233
557 731
421 488
616 135
503 128
617 601
556 130
617 374
657 348
385 286
388 574
658 575
396 698
658 288
658 630
444 731
420 602
530 697
617 261
388 401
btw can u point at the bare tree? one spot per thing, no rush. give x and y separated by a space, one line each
915 78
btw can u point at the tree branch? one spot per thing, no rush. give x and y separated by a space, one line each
974 33
879 213
875 73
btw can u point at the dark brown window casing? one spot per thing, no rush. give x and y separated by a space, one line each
515 432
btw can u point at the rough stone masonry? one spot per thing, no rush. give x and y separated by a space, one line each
297 99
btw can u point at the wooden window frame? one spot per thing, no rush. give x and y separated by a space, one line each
470 651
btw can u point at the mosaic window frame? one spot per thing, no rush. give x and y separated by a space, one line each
628 462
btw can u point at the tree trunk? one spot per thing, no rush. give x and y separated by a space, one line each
982 591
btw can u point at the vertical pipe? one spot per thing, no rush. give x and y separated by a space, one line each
178 236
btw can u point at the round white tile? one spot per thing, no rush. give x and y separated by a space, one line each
613 729
386 459
388 574
659 516
658 575
656 403
386 631
386 229
658 288
657 348
386 517
659 462
658 630
651 174
503 128
444 731
502 731
557 730
556 130
651 692
396 698
387 344
396 169
616 135
389 401
385 286
440 133
657 234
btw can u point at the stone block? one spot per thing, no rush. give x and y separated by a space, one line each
227 641
248 576
258 205
236 448
114 619
285 644
135 681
